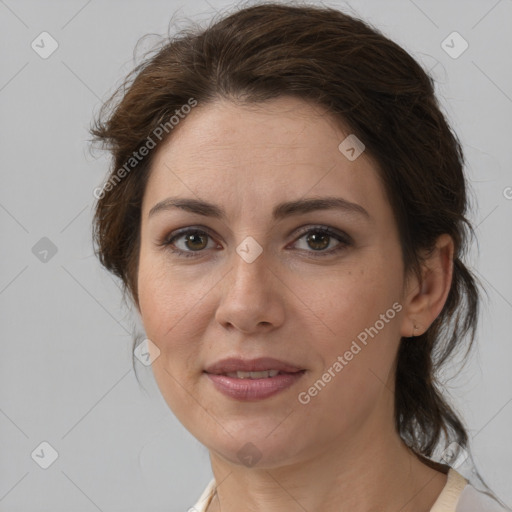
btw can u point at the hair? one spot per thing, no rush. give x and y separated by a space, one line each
366 82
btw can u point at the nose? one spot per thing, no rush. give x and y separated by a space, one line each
251 297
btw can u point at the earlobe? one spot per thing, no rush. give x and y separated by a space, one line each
426 297
414 329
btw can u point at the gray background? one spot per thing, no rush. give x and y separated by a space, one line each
66 374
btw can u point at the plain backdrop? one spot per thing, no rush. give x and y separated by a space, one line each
66 373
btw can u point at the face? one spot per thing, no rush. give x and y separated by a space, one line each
260 270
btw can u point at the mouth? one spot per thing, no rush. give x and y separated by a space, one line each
251 380
260 368
246 389
266 374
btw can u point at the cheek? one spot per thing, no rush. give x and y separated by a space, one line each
352 297
163 301
359 310
171 317
357 362
163 296
174 311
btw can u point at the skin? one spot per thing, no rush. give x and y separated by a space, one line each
339 452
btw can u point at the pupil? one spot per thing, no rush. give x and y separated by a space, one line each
318 241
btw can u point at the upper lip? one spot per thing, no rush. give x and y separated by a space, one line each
233 364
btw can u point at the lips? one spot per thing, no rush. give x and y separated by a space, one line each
234 364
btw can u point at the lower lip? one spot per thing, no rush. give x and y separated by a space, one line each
254 389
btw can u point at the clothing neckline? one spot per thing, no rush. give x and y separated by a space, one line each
450 494
445 502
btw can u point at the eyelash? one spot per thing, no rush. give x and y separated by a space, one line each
343 239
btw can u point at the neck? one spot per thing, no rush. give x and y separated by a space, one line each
373 471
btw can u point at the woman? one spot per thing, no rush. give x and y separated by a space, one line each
287 211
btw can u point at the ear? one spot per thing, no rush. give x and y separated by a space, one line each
425 298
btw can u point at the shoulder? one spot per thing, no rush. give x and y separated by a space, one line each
473 500
205 498
459 495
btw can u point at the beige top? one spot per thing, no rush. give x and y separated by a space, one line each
457 496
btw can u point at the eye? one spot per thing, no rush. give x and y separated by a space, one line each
317 241
322 240
189 241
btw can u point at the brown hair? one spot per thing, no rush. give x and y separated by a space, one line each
368 83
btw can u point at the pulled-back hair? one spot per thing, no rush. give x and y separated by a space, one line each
368 83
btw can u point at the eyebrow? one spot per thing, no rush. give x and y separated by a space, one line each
281 211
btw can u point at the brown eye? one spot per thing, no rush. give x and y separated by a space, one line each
322 241
190 242
196 240
318 240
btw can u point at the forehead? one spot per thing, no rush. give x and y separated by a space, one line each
261 154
